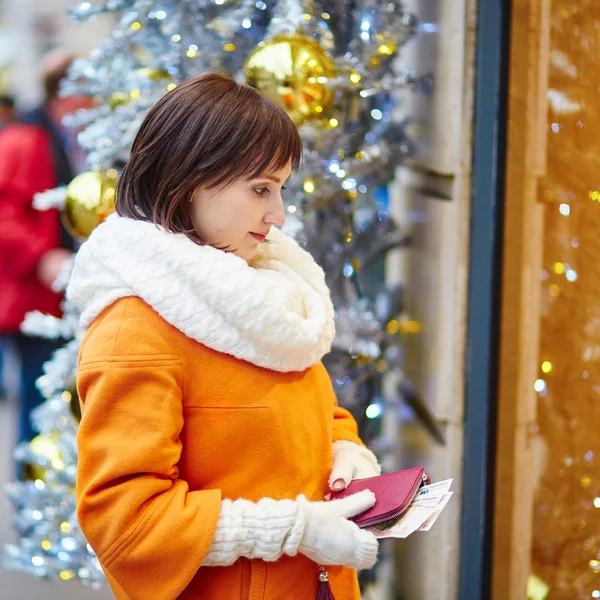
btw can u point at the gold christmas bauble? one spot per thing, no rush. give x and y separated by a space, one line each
43 446
292 70
90 199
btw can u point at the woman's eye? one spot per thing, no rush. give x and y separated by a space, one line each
261 191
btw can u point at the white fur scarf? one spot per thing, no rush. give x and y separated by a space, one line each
275 314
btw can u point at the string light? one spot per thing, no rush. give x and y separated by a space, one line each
65 527
373 411
309 186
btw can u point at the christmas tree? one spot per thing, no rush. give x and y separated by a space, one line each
333 67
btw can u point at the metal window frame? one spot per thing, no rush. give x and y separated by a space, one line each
483 316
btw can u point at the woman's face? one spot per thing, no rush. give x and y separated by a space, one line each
239 217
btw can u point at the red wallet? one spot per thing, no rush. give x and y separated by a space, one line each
393 494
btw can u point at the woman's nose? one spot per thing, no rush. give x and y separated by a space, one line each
276 212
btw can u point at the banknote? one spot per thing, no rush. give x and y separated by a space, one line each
421 514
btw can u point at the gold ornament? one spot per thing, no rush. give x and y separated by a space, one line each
90 199
293 71
43 446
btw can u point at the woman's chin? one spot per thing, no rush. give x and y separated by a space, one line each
247 253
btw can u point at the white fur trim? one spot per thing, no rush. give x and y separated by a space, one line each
275 314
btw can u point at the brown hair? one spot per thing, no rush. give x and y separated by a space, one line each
208 131
55 67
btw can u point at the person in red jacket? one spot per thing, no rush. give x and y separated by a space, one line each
30 252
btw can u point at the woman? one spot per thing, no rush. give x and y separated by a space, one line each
210 431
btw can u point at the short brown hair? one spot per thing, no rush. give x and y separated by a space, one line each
208 131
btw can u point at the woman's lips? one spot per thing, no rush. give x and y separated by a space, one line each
258 236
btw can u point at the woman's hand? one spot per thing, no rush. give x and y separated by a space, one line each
269 528
329 538
351 461
51 264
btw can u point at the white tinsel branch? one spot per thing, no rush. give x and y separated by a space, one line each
50 199
64 275
38 324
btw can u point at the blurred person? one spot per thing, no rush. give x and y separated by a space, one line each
30 253
8 111
35 155
67 155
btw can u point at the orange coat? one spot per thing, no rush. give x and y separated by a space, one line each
169 428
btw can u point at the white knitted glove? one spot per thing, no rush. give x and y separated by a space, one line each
269 528
351 461
330 539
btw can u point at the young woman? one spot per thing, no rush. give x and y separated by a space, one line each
210 432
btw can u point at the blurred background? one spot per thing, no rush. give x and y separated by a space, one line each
488 367
29 30
403 379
